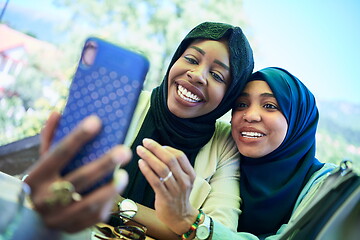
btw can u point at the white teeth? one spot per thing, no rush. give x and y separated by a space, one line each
252 134
187 95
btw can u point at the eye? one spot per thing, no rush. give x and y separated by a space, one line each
240 106
191 60
217 77
271 106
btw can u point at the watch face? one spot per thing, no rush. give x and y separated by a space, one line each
128 207
202 232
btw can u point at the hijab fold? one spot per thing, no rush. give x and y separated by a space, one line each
270 185
188 135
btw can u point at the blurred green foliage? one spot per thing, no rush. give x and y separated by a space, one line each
153 28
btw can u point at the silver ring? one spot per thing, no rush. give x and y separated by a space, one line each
167 177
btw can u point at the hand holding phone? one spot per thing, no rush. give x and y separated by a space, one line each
107 83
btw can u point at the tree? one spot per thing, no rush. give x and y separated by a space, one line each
152 27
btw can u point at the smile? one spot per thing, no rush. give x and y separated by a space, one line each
252 134
187 95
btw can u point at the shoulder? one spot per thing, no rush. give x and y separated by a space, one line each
144 96
222 135
143 103
139 115
222 129
319 176
310 189
220 151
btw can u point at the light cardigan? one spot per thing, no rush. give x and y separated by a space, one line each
216 186
307 194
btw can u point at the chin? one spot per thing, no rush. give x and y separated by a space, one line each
252 154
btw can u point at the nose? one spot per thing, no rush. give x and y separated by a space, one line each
252 114
198 75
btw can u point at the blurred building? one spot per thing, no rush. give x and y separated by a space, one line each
16 51
16 48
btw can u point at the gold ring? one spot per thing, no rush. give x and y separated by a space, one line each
167 177
63 193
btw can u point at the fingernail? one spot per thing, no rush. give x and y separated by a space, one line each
121 154
141 163
147 141
91 124
139 149
121 179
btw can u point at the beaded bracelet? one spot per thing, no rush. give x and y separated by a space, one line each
193 226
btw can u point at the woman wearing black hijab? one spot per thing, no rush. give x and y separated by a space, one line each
182 113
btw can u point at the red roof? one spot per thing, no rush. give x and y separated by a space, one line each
11 38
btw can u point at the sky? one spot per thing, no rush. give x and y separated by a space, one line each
316 40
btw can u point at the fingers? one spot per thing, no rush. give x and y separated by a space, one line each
159 161
86 176
53 161
156 156
93 208
156 169
152 178
174 159
183 162
47 132
57 158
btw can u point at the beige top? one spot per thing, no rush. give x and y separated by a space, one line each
216 187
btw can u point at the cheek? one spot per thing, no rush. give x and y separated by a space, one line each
170 76
177 67
281 128
217 94
235 119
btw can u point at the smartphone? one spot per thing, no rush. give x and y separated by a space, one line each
107 83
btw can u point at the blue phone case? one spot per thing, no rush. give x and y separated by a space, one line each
108 87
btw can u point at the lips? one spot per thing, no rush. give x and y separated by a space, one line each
187 95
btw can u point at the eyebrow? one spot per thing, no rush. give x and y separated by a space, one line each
244 94
202 52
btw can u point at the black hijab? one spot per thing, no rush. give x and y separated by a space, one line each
270 185
188 135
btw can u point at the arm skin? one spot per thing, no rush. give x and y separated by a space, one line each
95 206
147 216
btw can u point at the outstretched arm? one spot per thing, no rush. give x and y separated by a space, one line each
95 206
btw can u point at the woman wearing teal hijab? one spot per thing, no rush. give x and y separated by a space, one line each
271 184
274 123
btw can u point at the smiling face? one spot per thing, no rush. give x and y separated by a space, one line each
258 126
198 80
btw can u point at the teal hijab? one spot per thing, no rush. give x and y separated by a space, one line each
189 135
270 185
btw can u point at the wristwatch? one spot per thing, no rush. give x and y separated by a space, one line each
203 230
128 208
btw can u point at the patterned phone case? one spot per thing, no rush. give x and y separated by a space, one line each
108 87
